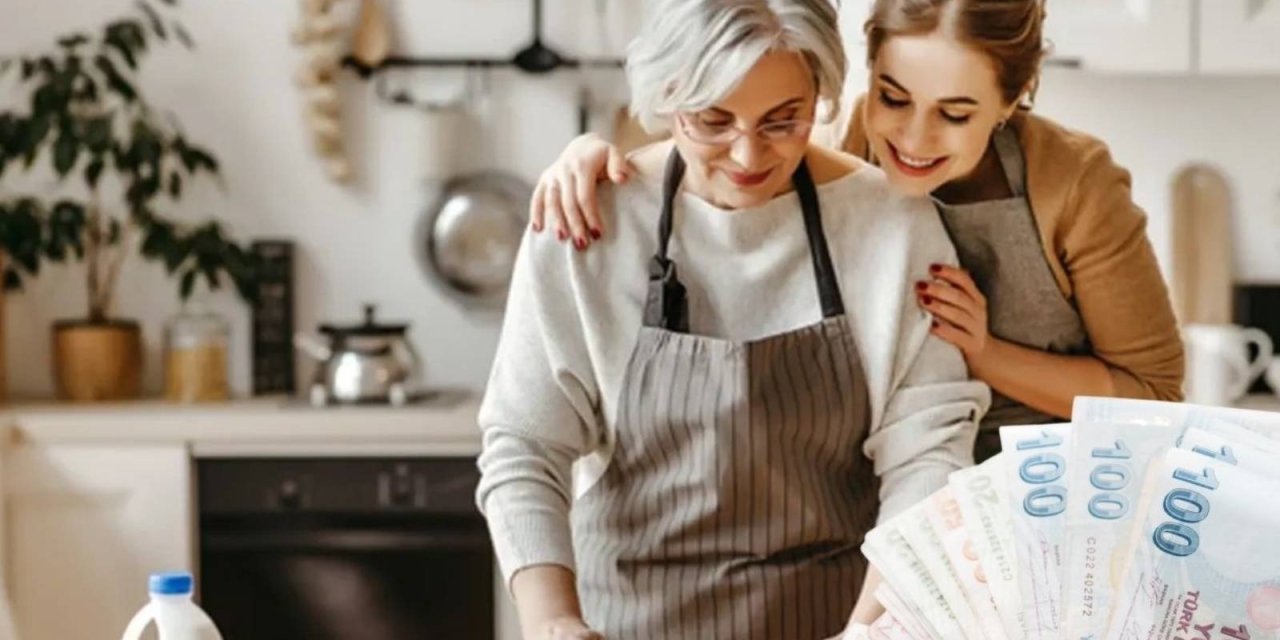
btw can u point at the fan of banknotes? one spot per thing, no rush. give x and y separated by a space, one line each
1138 520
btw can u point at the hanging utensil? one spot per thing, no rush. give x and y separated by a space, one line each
469 236
372 43
1203 259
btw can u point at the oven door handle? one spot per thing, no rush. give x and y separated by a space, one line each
338 540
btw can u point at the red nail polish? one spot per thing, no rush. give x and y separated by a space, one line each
921 286
563 235
580 243
935 268
595 233
928 300
935 324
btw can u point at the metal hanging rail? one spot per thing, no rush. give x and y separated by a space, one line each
535 58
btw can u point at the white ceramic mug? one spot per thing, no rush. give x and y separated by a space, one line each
1219 370
1272 376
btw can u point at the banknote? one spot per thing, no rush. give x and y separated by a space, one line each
1204 561
1243 449
1109 462
887 627
1037 476
900 567
858 631
1176 414
981 495
904 612
926 544
961 555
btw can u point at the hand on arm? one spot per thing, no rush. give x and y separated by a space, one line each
1045 381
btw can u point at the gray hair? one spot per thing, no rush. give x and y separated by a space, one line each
691 54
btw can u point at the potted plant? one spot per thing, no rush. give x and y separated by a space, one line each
118 162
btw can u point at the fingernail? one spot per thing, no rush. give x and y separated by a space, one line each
563 235
927 300
580 243
935 324
595 233
537 228
921 286
935 268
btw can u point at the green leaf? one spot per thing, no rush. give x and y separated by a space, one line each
97 134
72 41
117 41
47 66
65 152
183 36
211 277
157 25
188 283
194 159
115 81
93 172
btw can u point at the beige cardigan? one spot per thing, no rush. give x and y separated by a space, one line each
1094 237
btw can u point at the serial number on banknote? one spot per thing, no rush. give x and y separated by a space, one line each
1090 562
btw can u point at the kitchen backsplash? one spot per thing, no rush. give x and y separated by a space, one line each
236 93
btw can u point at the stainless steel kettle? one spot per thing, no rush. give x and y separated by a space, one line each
364 363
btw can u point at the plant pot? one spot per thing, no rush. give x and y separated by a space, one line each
97 361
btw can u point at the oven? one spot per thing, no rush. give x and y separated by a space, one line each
345 549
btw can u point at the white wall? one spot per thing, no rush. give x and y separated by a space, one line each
235 94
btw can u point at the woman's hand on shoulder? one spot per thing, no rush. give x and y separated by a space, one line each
959 309
565 197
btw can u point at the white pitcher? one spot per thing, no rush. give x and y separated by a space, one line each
1219 370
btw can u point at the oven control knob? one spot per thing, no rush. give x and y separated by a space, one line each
290 494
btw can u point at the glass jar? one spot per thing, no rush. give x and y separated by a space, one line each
196 356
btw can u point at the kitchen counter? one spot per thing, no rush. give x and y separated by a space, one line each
1260 402
444 424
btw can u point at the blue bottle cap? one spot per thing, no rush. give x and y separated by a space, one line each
171 583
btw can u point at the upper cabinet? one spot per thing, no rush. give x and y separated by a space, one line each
1123 36
1240 36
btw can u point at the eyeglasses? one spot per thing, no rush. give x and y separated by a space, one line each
719 133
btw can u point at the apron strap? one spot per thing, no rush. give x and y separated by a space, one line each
666 300
823 270
1009 150
666 303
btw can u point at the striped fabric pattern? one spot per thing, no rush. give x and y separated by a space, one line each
738 494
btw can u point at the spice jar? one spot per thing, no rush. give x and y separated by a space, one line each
196 356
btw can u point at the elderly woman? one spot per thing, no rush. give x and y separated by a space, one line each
728 461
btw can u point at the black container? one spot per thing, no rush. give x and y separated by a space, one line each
273 319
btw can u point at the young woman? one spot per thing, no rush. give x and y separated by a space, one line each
1059 294
729 462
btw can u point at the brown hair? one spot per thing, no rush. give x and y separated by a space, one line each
1007 31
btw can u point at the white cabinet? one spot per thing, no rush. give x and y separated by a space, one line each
86 525
1240 36
1129 36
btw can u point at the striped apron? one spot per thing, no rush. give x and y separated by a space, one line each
737 495
999 243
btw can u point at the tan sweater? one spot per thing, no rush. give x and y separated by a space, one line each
1094 237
